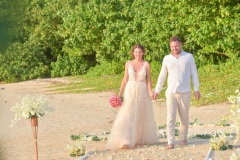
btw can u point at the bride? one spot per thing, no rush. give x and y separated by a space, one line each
134 124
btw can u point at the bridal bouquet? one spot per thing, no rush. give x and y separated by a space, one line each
30 106
115 101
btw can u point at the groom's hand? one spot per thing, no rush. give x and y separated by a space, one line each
155 96
197 94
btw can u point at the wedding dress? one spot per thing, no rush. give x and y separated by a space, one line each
135 123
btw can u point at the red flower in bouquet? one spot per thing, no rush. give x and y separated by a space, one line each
115 101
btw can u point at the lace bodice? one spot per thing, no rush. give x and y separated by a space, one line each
137 76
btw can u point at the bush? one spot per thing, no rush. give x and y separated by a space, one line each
22 62
83 34
69 65
106 68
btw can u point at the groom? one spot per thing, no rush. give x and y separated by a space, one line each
180 67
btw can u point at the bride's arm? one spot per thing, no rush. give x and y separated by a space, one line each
124 81
149 81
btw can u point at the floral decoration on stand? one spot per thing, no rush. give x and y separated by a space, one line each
31 105
115 101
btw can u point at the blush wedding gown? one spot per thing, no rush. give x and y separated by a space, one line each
135 123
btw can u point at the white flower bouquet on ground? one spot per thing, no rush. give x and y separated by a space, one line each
235 113
221 141
76 148
31 105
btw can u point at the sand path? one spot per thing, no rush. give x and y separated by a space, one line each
89 113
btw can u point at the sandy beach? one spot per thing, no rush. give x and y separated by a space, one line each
91 113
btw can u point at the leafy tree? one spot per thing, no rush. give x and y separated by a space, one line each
22 62
71 37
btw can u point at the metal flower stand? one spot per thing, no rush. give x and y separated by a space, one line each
34 123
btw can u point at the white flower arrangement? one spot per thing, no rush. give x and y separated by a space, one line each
31 105
76 148
235 113
221 141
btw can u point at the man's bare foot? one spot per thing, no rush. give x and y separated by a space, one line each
170 146
183 142
125 146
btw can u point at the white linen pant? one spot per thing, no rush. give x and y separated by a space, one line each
180 102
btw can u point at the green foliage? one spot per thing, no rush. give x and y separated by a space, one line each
75 137
86 84
96 138
217 83
106 68
11 18
22 62
202 136
69 65
97 32
3 37
214 29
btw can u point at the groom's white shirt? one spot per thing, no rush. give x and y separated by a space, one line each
180 71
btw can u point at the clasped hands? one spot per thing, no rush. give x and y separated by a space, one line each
154 95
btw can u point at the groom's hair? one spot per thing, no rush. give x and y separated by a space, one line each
175 38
